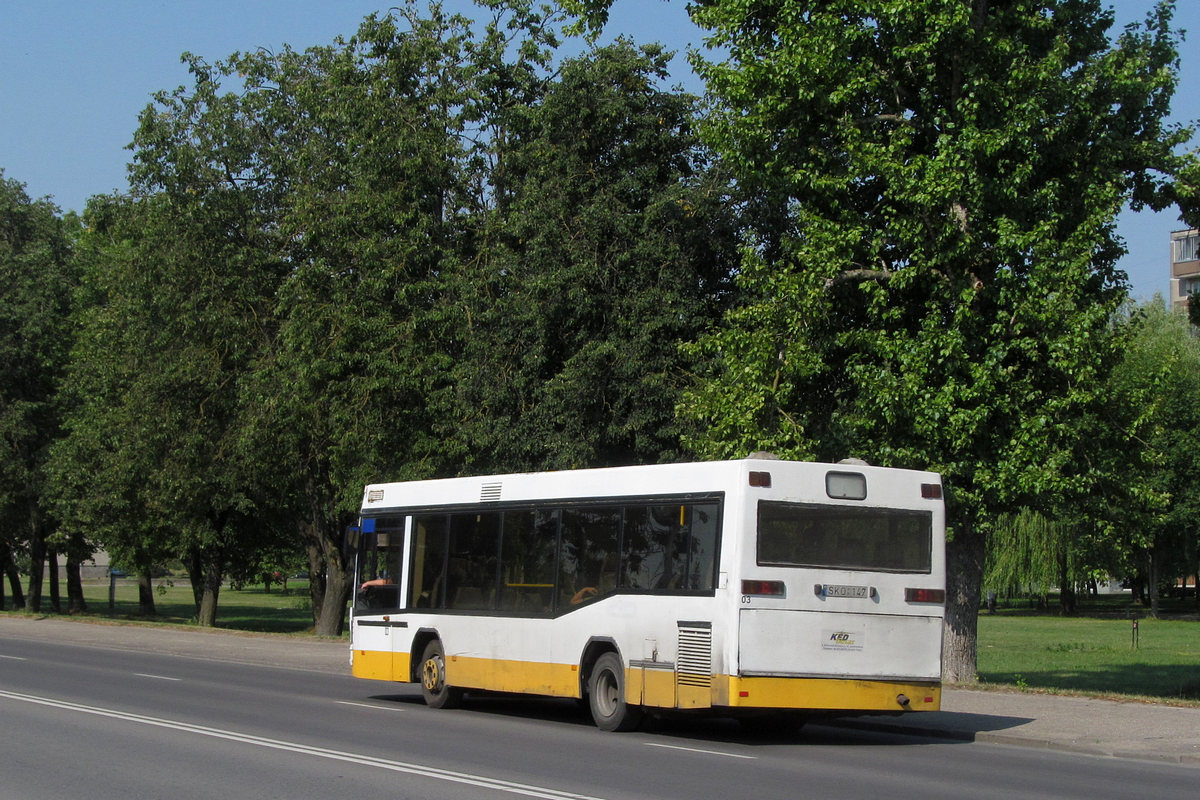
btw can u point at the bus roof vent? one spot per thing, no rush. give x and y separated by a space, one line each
491 492
854 462
762 455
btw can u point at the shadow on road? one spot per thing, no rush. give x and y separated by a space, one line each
763 730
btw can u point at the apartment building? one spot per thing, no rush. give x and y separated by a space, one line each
1185 265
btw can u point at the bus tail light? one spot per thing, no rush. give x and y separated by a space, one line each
764 588
925 595
760 479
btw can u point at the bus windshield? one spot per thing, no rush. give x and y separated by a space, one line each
841 537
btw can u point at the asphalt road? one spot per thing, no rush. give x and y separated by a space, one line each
84 721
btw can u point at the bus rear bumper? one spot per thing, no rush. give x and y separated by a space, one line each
830 694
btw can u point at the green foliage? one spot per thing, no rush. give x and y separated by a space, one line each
1025 553
605 245
36 277
937 292
100 470
418 251
931 191
1153 392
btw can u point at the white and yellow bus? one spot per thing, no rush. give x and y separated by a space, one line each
732 586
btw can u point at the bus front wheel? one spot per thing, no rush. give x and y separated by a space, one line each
435 690
606 696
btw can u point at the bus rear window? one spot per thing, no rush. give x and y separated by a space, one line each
838 537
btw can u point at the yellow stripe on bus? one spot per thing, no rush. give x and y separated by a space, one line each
830 693
657 687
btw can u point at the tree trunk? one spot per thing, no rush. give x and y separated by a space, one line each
213 560
195 568
37 566
75 602
1066 589
965 555
316 578
329 581
1152 579
337 590
55 595
146 593
14 579
1196 562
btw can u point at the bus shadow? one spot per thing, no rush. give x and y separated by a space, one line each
824 730
517 706
939 727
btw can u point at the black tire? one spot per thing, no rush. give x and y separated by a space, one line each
435 690
606 696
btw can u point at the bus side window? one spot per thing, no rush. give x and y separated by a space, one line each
527 561
426 584
474 541
587 555
654 548
702 558
670 548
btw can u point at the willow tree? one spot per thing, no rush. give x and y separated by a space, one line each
1029 552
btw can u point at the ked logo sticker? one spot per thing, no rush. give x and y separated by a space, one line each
841 640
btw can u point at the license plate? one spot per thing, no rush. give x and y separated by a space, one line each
835 590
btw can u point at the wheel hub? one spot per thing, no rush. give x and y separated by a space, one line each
433 674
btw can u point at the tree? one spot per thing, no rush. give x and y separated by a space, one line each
208 235
1156 384
367 152
101 470
930 268
35 290
321 233
179 278
1029 553
607 242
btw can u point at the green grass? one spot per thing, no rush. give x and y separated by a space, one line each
1094 653
249 609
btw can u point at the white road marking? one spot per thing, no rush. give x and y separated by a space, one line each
14 658
155 677
423 770
368 705
698 750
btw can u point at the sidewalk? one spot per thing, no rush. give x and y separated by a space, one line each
1099 727
1078 724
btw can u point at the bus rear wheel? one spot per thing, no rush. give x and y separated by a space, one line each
606 696
435 690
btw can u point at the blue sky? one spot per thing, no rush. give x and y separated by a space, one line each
75 73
